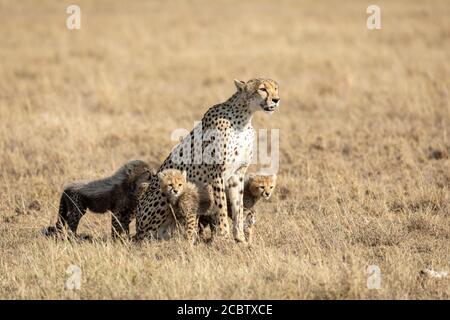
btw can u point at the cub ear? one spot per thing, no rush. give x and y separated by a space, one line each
161 175
274 177
129 168
250 177
240 85
184 173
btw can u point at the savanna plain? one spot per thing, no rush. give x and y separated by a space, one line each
364 144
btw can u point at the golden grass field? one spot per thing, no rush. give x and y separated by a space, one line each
364 143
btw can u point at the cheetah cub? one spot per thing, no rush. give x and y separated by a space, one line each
194 202
187 200
256 187
117 194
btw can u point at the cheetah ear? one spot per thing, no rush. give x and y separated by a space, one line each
240 85
274 177
184 173
250 177
161 175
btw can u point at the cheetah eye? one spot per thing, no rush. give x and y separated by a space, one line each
263 89
170 185
261 187
271 187
180 185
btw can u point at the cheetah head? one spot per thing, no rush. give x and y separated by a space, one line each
137 172
172 183
261 94
262 185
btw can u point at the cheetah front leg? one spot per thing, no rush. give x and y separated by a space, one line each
120 223
236 194
248 224
220 204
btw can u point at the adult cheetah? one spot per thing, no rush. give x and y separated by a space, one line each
217 151
256 187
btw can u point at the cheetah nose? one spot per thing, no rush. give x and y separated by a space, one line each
275 100
266 194
175 191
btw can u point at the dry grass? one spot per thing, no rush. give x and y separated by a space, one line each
364 168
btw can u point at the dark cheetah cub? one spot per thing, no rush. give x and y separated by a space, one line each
256 187
187 200
117 194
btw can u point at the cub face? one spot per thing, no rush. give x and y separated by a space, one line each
261 93
262 185
172 183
